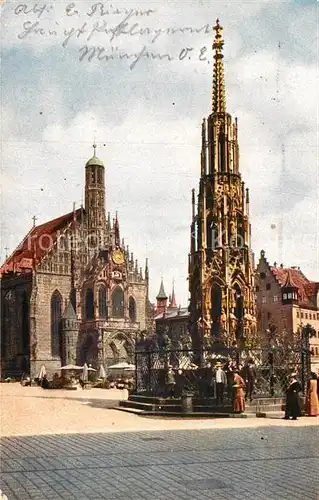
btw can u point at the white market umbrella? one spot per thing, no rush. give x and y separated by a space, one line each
85 373
42 372
122 366
71 367
90 369
102 372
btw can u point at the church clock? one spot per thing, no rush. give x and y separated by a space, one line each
117 256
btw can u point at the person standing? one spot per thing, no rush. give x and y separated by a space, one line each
292 398
239 387
170 382
221 381
249 372
312 405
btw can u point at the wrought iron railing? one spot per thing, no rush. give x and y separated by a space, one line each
195 368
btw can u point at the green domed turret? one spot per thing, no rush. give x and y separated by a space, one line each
94 161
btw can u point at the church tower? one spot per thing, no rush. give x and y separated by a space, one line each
95 196
222 306
161 299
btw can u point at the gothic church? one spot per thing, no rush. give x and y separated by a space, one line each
71 292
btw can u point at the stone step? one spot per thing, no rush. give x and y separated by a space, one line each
148 399
173 405
150 406
198 400
194 414
261 409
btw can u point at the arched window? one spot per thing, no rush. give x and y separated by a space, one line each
132 309
89 304
239 309
102 302
216 297
239 302
56 310
118 303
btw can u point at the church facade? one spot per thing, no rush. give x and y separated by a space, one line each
221 267
72 292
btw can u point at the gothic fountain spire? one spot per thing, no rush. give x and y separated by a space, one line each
219 99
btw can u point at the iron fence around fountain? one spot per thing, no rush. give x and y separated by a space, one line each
272 366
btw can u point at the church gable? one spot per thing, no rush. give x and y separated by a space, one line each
37 244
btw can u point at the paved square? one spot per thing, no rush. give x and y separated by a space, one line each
248 463
61 446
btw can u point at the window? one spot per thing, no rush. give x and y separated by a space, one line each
257 288
264 300
93 176
306 315
262 276
301 315
118 303
268 286
56 310
89 304
275 298
132 309
268 315
317 316
100 175
297 314
102 302
289 295
285 296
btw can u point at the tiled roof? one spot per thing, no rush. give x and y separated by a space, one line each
289 283
173 313
294 277
36 244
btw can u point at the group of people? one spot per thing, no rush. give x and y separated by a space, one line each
238 382
293 401
231 379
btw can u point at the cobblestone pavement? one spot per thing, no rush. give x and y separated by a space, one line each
262 463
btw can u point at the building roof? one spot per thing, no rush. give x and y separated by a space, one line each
293 277
172 314
69 312
94 161
37 243
161 294
289 282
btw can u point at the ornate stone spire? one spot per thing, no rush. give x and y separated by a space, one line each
219 100
173 299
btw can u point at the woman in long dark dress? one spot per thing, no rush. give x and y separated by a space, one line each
292 398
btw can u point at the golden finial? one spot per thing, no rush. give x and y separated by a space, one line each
219 101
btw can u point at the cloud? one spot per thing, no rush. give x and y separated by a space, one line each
147 121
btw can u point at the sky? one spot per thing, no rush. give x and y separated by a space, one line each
118 73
